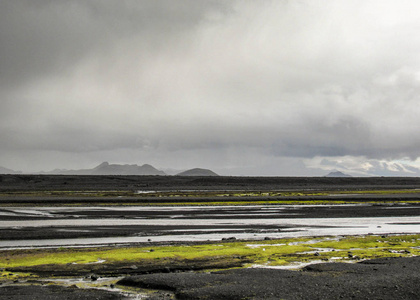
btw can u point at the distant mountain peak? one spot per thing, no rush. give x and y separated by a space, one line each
102 165
337 174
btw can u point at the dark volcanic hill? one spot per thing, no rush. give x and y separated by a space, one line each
337 174
113 169
198 172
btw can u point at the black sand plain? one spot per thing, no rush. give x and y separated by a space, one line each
396 278
386 279
162 183
390 278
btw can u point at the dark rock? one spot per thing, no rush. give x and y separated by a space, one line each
94 277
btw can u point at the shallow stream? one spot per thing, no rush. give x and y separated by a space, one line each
197 223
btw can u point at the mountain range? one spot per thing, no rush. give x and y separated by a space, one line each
106 168
370 168
8 171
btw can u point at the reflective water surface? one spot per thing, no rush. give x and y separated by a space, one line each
197 223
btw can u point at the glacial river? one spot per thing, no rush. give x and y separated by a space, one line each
92 226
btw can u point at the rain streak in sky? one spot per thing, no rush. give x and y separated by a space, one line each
295 88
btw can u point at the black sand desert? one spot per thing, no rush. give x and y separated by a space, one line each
42 215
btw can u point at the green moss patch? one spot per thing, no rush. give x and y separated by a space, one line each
207 256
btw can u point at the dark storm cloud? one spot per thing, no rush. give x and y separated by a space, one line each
39 37
227 83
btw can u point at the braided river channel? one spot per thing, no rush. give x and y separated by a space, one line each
93 226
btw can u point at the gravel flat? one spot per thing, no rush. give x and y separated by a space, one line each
54 292
389 278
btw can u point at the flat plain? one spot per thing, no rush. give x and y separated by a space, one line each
68 234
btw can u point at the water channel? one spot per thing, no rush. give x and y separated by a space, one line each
93 226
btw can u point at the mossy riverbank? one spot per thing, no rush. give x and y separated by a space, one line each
113 261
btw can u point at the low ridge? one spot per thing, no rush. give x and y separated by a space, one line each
197 172
337 174
4 170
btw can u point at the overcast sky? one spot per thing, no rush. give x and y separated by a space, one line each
242 87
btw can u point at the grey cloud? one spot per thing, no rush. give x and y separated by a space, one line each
39 37
360 166
210 80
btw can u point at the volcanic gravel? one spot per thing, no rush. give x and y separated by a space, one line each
54 292
387 278
162 183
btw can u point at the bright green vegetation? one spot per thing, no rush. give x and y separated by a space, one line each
269 253
4 275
